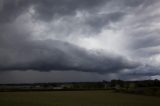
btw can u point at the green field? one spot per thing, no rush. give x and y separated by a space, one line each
75 98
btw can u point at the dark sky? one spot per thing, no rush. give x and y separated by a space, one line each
79 40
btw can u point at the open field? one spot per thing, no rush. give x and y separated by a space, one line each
75 98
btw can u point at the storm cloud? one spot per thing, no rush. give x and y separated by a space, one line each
93 36
46 10
19 52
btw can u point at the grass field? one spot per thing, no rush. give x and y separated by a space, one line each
75 98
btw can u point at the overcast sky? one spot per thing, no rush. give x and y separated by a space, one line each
79 40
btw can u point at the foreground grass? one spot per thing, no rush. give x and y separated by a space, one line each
75 98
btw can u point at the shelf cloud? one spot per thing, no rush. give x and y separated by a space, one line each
104 38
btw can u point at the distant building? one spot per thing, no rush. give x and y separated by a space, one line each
117 86
58 87
64 86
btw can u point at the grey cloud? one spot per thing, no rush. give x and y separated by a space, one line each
144 70
11 9
99 21
135 3
141 28
45 9
32 76
49 8
20 51
57 55
145 41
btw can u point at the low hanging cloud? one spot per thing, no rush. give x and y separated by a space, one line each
20 52
100 36
57 55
